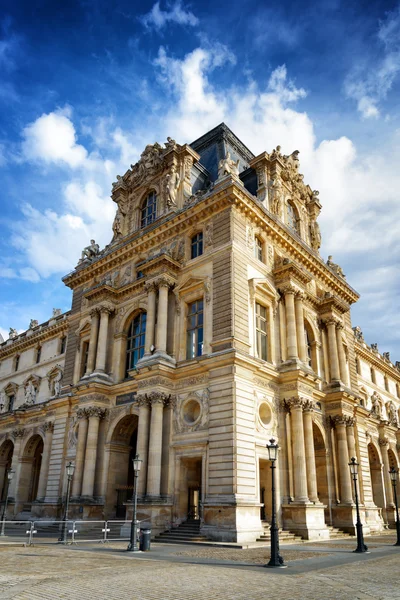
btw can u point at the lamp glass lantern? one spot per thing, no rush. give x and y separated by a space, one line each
137 463
393 475
70 469
353 464
272 450
10 475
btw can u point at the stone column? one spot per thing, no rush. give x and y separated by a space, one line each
95 414
17 434
298 448
80 451
157 400
94 332
333 354
162 315
384 444
105 312
142 447
310 452
44 468
301 338
341 355
291 337
346 494
150 318
351 444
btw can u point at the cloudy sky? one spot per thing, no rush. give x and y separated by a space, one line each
85 85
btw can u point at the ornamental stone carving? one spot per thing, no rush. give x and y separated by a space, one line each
18 433
191 411
172 183
376 405
315 235
342 420
13 333
358 334
30 393
275 204
295 402
227 166
392 413
90 252
96 411
48 426
208 234
384 442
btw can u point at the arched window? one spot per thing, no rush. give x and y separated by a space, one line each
293 221
149 210
135 341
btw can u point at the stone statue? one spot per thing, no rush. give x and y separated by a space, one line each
386 356
13 333
173 181
392 413
276 153
374 347
57 383
2 402
358 334
117 224
227 166
90 251
170 144
30 393
34 323
376 407
336 268
118 183
315 235
56 312
276 196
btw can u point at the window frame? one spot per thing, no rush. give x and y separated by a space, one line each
196 243
147 217
258 249
38 354
131 348
261 336
292 215
199 327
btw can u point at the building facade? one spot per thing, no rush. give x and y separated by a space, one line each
208 325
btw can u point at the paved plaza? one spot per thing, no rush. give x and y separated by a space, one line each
328 571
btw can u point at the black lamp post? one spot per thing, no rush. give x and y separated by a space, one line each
9 476
361 547
393 476
70 467
276 559
132 546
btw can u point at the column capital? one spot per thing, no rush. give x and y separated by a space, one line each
330 321
308 406
299 296
160 398
96 411
48 427
383 441
342 420
18 433
94 312
81 413
106 308
142 400
295 402
165 281
150 286
339 326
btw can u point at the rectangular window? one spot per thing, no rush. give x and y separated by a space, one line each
196 245
85 354
194 329
258 249
11 400
38 354
16 364
261 331
63 345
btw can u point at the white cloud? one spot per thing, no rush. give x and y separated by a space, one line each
176 13
3 335
371 80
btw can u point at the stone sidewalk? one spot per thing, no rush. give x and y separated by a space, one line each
173 572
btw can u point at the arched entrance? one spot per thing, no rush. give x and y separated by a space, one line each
321 470
122 449
30 471
265 490
375 467
6 454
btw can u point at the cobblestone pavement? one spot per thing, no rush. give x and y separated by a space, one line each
256 556
80 574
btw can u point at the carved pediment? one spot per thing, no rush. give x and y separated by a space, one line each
190 283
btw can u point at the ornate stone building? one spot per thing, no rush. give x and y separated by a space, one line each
208 324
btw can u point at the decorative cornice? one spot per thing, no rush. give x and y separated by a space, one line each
37 337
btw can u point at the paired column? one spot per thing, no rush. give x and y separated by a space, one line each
346 494
44 469
80 451
310 451
17 434
94 332
384 444
291 336
162 315
105 312
301 338
341 354
143 441
299 456
95 414
151 317
333 352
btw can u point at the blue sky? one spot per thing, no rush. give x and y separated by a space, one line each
84 86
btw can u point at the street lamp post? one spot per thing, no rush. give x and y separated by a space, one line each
276 559
132 546
393 476
9 476
70 467
361 547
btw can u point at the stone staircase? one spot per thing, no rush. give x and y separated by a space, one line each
187 532
338 534
285 537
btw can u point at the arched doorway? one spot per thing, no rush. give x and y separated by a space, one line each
122 449
321 470
30 471
6 454
265 490
375 467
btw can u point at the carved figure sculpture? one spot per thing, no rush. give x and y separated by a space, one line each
34 323
276 196
57 383
392 413
336 268
91 251
30 393
376 407
117 224
170 144
315 235
374 347
173 181
358 334
227 166
13 333
56 312
386 356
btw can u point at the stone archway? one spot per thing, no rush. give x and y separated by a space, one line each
122 449
6 454
31 462
375 466
321 470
